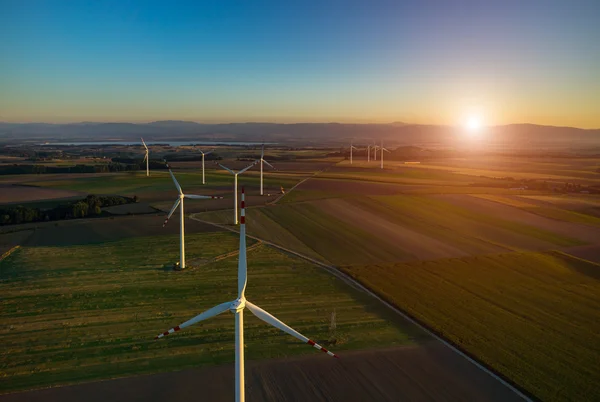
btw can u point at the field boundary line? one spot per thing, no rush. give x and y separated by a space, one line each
276 200
357 285
9 252
200 261
315 174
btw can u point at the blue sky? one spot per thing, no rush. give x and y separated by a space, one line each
422 61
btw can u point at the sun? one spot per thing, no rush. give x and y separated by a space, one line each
473 124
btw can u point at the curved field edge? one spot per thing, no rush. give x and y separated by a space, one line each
89 312
532 317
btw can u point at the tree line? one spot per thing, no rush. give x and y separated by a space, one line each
89 206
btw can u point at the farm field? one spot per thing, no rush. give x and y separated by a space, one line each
156 188
425 372
94 230
530 316
559 208
75 313
18 194
573 169
362 230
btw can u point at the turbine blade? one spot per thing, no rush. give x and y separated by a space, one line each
172 210
144 144
174 179
269 164
262 152
249 166
203 316
386 150
226 168
145 157
269 319
202 197
208 153
242 262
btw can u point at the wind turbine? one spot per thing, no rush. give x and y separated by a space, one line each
262 159
383 149
351 148
375 148
204 154
237 307
179 200
235 181
146 159
369 153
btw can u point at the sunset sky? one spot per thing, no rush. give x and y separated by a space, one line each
436 62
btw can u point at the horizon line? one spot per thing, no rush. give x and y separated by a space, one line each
289 123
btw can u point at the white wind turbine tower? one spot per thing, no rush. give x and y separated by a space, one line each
147 159
375 148
235 186
351 148
237 307
179 200
262 159
203 155
383 149
369 153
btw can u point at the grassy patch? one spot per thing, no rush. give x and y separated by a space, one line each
531 316
79 313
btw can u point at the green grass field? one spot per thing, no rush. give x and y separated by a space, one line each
78 313
531 316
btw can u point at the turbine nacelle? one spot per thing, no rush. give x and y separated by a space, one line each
238 305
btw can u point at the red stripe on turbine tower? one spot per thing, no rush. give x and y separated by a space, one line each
311 343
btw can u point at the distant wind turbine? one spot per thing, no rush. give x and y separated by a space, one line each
262 159
203 155
147 159
383 149
369 153
375 148
235 186
179 200
351 148
237 307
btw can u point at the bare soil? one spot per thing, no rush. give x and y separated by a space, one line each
15 193
98 230
354 187
430 372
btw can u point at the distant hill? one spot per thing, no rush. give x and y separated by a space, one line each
308 133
